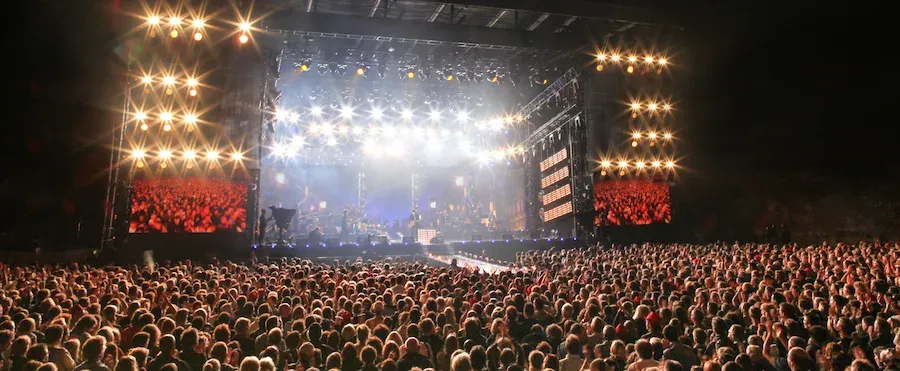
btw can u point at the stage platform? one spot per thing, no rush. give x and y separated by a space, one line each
504 250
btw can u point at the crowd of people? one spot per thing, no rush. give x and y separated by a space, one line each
718 307
632 202
186 205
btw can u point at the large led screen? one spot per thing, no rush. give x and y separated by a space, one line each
188 205
632 202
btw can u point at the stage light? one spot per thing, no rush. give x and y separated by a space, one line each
237 156
192 82
198 36
462 116
164 154
636 135
376 113
190 155
316 111
245 26
435 115
198 23
140 164
407 114
243 38
212 155
667 107
662 61
280 178
282 114
361 70
632 59
192 92
450 77
635 106
347 112
599 67
667 136
140 116
623 164
174 21
357 130
343 130
605 163
147 79
190 118
655 163
651 106
165 116
639 165
163 165
138 153
601 57
167 127
173 34
670 164
615 58
168 80
327 129
634 143
410 75
630 69
648 59
153 20
144 127
297 142
651 135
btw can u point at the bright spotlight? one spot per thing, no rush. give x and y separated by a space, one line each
243 38
140 116
316 111
648 59
640 165
651 135
332 141
667 107
165 116
327 129
462 116
496 124
605 163
667 136
174 21
212 155
297 142
192 82
655 163
652 106
190 155
636 135
670 164
197 23
360 71
198 36
632 59
435 115
165 154
144 126
190 118
357 130
343 130
601 57
376 113
237 156
347 112
407 114
168 80
245 26
167 127
662 61
147 79
153 20
615 57
138 153
635 106
623 164
280 178
282 114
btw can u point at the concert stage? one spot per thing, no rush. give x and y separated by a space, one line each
502 250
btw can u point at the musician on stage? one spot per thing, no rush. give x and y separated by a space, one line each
414 219
263 224
345 227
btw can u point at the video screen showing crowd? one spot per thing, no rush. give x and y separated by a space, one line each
632 202
354 225
187 205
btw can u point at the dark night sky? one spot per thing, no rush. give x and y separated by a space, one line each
771 86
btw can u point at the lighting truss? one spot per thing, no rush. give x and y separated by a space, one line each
405 40
568 78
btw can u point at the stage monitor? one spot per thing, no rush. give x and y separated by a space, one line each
188 205
632 202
